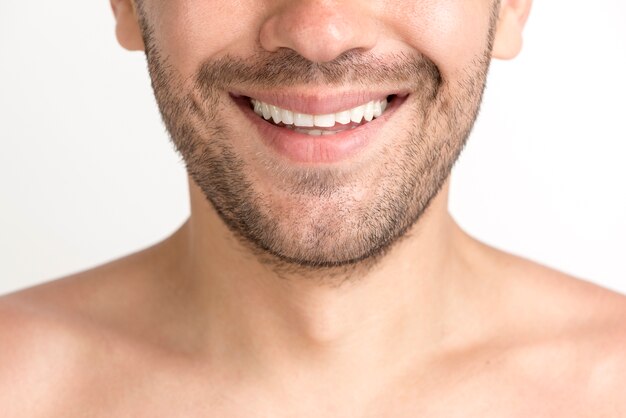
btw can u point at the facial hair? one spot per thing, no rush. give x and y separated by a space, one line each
318 221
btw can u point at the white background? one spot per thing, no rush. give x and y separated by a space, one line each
87 173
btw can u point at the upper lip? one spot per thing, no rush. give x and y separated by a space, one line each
317 102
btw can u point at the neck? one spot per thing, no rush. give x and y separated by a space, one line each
418 298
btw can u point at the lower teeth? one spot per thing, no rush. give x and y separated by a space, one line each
318 132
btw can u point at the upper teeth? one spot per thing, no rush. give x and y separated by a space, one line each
368 111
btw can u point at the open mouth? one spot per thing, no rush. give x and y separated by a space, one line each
321 124
319 136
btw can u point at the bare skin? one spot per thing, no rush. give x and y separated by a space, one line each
200 325
131 338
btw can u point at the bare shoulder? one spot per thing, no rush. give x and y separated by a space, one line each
57 339
39 354
599 344
570 299
576 336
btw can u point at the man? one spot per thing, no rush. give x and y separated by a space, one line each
319 274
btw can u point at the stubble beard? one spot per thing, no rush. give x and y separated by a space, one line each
319 222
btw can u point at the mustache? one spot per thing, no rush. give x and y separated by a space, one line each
287 68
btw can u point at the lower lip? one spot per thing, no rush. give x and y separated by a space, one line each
303 148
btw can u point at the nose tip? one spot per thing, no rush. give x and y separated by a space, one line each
319 30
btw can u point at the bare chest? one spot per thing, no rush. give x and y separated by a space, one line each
169 396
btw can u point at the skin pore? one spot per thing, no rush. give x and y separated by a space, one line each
315 289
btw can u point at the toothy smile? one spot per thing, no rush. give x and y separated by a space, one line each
319 126
330 123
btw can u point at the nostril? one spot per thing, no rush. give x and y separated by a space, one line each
319 31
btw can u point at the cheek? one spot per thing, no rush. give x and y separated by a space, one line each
190 31
452 33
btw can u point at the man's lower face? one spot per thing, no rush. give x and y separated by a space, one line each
386 133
